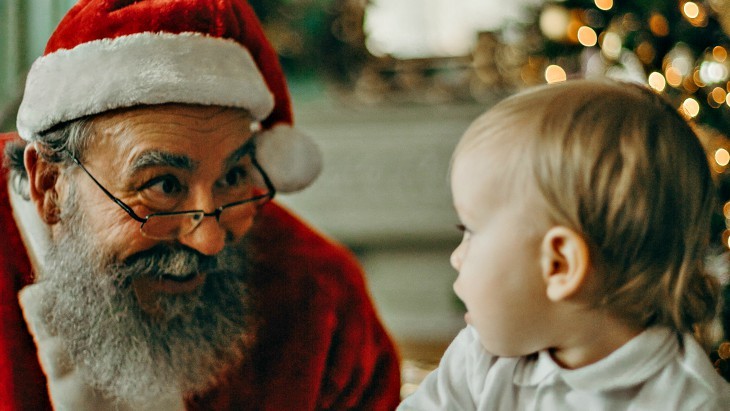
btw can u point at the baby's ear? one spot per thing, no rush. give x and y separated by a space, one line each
43 177
565 262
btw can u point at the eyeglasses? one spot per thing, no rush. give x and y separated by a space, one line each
173 224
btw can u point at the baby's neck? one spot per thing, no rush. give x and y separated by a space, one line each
592 339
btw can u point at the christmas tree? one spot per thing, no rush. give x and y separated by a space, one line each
678 48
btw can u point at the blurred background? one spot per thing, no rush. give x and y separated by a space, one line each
387 87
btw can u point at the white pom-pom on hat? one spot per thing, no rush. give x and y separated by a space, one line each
290 158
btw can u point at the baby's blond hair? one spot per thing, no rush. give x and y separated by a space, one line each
617 164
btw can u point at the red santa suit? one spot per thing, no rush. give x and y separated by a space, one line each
320 345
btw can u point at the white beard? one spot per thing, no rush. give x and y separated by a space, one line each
125 353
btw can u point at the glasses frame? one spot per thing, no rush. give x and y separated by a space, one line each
250 151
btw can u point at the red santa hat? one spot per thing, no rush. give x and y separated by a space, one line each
109 54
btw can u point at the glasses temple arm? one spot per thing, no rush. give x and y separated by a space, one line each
119 202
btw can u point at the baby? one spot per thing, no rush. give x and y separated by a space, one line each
586 209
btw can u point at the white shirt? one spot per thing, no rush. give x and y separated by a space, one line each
650 372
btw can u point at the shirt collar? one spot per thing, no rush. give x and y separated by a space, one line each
629 365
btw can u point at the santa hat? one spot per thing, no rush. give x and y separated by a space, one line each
109 54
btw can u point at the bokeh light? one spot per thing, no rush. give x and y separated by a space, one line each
554 21
673 76
555 74
722 157
712 72
611 45
691 107
719 53
658 25
719 95
657 81
587 36
691 10
604 4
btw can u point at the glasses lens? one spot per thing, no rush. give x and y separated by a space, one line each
169 226
234 215
241 194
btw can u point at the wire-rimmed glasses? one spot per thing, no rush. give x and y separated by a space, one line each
173 224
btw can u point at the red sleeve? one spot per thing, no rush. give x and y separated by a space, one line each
22 383
321 345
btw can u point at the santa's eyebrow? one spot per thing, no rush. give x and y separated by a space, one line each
241 151
158 158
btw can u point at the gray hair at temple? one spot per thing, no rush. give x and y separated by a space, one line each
72 137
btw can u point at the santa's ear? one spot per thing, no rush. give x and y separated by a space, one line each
565 262
43 180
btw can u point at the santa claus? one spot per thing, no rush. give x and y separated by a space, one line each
143 264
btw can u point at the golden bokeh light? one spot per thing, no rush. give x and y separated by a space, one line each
555 74
719 95
657 81
554 21
691 107
673 76
587 36
722 157
604 4
645 52
695 13
658 25
695 82
573 27
691 10
719 54
611 45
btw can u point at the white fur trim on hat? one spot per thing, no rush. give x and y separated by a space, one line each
138 69
290 158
